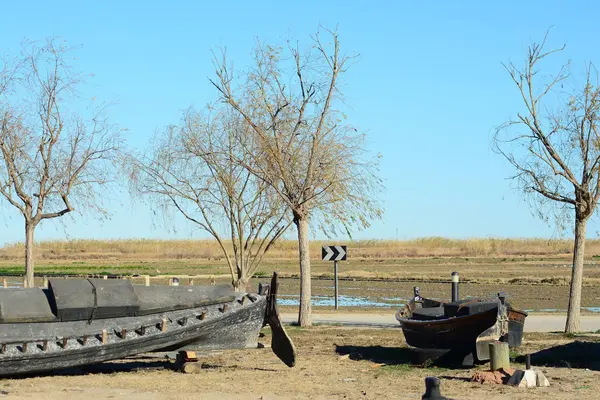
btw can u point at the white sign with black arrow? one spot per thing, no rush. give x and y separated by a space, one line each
335 254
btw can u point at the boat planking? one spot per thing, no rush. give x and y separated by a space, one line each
81 322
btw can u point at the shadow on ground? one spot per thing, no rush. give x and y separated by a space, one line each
576 354
404 355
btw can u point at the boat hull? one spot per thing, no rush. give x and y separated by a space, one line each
452 333
38 347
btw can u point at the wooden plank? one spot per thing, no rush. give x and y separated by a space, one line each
163 325
499 356
104 336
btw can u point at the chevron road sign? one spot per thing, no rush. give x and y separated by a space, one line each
334 253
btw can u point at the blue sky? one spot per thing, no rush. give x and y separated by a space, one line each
428 88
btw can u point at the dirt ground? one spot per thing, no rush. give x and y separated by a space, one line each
333 363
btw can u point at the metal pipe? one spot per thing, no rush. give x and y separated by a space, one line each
455 280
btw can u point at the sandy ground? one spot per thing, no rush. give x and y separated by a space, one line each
333 363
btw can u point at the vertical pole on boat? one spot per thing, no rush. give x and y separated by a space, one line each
455 286
335 274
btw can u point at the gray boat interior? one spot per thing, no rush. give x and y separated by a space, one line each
90 299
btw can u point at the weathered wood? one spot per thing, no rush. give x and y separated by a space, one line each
45 282
224 308
3 348
104 336
45 345
202 316
4 283
499 356
84 340
163 325
65 342
123 334
24 347
147 280
191 368
191 282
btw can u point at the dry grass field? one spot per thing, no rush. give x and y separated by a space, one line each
478 260
535 272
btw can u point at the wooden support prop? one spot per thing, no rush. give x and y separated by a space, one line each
191 368
65 342
4 283
242 300
202 316
45 345
163 325
24 347
45 284
84 340
224 308
3 348
191 282
499 356
141 330
105 277
104 336
147 280
123 334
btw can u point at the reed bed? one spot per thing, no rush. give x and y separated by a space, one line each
147 249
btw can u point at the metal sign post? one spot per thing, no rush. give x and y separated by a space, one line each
335 274
335 254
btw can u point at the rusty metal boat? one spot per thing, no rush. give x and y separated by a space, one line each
465 327
86 321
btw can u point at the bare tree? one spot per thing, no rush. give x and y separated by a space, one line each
51 159
304 150
195 169
555 148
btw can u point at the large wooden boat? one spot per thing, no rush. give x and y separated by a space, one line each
87 321
465 326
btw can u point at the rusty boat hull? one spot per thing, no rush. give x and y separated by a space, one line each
464 327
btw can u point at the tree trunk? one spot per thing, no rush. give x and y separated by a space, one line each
29 228
304 315
241 284
574 310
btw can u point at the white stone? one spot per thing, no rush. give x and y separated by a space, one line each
541 379
529 379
